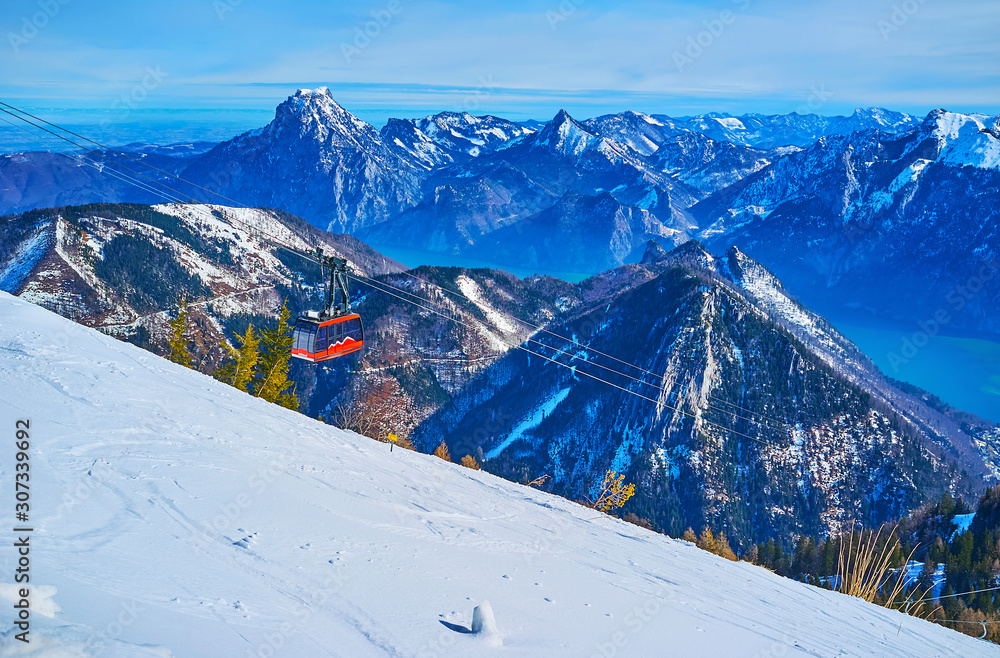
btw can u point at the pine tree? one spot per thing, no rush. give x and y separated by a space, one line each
178 341
271 372
239 369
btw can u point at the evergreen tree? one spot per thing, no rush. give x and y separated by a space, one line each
178 341
828 559
799 561
271 372
240 368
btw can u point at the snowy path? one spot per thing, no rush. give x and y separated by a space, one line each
172 511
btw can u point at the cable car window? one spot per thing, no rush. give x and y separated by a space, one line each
304 334
321 340
352 328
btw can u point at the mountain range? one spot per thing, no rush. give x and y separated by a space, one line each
830 204
727 402
903 226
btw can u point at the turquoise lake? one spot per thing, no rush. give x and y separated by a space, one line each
964 372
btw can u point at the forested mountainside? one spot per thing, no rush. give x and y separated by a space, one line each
723 416
727 402
124 267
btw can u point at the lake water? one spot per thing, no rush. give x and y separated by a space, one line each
964 372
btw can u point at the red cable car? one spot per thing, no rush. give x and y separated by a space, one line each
334 331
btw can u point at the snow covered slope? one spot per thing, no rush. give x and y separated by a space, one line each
177 516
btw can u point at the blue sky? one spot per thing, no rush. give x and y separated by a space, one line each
520 59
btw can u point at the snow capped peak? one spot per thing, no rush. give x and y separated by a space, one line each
946 125
566 135
562 117
319 91
441 138
882 118
964 140
314 101
641 117
313 113
877 113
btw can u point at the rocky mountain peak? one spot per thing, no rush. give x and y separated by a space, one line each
964 140
314 112
566 135
654 253
689 254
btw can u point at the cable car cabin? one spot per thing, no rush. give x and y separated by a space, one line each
316 339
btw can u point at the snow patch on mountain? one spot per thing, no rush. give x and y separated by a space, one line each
530 423
566 136
764 288
962 523
472 291
981 150
24 260
732 123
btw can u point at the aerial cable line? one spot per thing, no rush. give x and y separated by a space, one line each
92 152
122 153
187 201
377 286
572 356
83 159
781 424
285 245
182 196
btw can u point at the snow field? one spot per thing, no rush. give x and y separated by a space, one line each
174 515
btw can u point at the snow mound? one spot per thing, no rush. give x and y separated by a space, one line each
484 624
147 475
